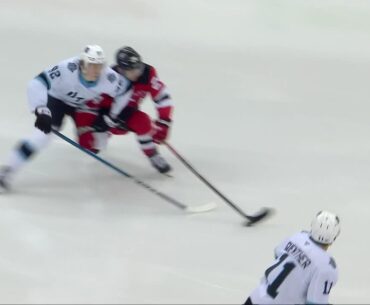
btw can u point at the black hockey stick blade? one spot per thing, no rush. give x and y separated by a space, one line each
263 214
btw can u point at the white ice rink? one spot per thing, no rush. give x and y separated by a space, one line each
272 104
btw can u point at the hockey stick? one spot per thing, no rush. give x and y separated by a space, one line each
251 219
182 206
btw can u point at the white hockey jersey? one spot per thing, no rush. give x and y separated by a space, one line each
65 83
303 273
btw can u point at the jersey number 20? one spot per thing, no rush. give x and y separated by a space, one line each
287 268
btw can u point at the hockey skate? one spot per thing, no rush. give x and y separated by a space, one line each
4 183
160 164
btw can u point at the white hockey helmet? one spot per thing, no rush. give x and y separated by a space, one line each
93 54
325 227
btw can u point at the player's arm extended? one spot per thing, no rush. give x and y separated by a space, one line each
50 80
37 91
164 105
161 97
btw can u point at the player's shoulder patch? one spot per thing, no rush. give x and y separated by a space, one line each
112 77
72 66
333 263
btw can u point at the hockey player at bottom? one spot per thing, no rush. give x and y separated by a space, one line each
63 90
304 273
145 81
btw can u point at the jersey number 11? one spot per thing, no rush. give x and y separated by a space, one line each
287 268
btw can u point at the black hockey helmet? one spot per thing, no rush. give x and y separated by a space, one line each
127 58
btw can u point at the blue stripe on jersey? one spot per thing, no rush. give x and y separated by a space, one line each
86 83
43 78
25 150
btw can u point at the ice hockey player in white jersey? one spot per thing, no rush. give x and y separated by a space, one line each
304 273
61 91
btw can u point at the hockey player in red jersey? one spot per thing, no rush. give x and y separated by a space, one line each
145 82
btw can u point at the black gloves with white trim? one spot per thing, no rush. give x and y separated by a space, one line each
43 119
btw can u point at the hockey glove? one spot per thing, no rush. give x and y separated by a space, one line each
43 119
162 128
104 122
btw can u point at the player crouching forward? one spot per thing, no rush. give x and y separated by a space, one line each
64 90
145 81
304 273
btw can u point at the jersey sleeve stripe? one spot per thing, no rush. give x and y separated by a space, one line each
42 77
163 98
164 104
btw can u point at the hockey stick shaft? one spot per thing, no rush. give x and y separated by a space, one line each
120 171
205 181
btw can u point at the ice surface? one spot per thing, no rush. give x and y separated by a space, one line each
272 104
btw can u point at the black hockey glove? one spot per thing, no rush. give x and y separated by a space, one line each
104 122
43 119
